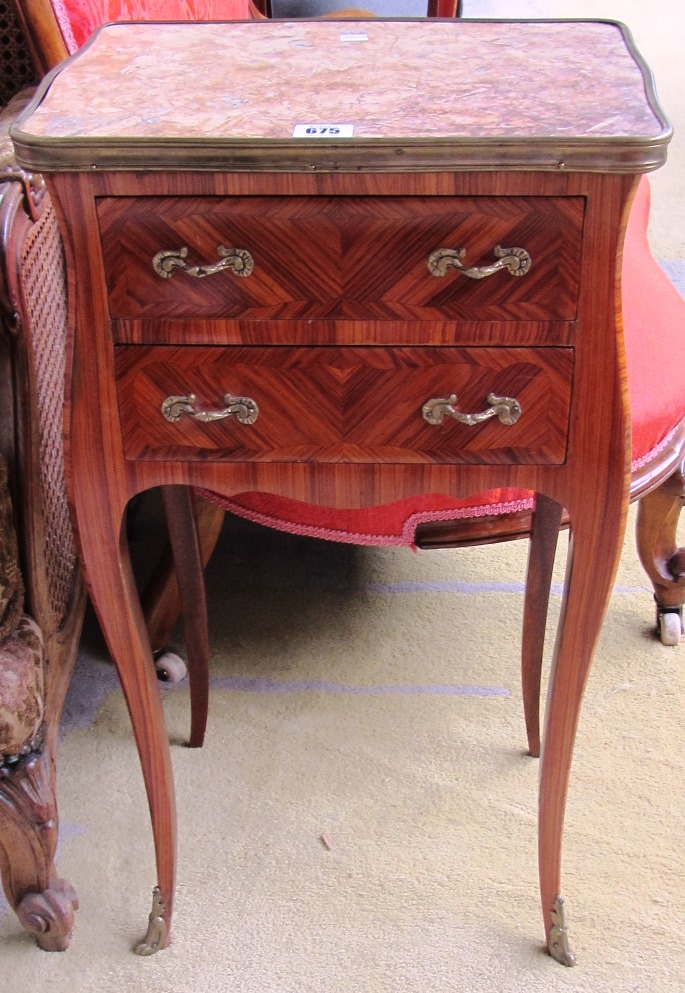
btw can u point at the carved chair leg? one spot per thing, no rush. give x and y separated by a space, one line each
44 904
661 558
545 525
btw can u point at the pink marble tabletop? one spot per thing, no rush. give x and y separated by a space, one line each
557 87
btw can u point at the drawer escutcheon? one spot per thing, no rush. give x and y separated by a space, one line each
238 260
515 260
506 409
244 409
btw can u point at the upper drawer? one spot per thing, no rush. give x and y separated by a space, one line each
342 257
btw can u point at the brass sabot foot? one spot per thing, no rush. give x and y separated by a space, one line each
558 942
155 939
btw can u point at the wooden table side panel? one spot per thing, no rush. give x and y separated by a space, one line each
187 331
592 485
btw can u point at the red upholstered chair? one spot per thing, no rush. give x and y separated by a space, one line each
55 29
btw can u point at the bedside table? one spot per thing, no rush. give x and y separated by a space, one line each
348 263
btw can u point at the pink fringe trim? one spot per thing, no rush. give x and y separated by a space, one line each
405 537
408 532
645 459
64 25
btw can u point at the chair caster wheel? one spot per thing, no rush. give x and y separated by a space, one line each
670 627
170 667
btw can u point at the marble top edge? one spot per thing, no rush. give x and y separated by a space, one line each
236 84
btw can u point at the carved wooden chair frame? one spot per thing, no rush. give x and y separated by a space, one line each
32 344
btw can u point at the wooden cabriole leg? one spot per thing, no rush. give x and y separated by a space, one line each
44 903
590 571
111 583
545 524
661 558
161 598
183 533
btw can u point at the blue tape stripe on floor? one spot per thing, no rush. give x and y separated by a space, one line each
469 589
253 684
441 586
675 270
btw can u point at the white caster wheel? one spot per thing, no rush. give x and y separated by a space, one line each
170 667
670 628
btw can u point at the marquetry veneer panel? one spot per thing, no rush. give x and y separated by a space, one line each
345 404
343 257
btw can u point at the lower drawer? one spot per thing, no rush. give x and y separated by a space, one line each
344 404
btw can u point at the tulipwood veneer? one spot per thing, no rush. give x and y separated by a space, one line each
340 338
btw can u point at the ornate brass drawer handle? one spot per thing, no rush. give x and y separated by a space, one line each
505 408
238 260
515 260
244 409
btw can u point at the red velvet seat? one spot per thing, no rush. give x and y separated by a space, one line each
78 19
55 29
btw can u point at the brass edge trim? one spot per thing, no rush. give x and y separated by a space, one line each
647 75
617 155
573 155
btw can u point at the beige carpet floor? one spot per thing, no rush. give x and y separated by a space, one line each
372 696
